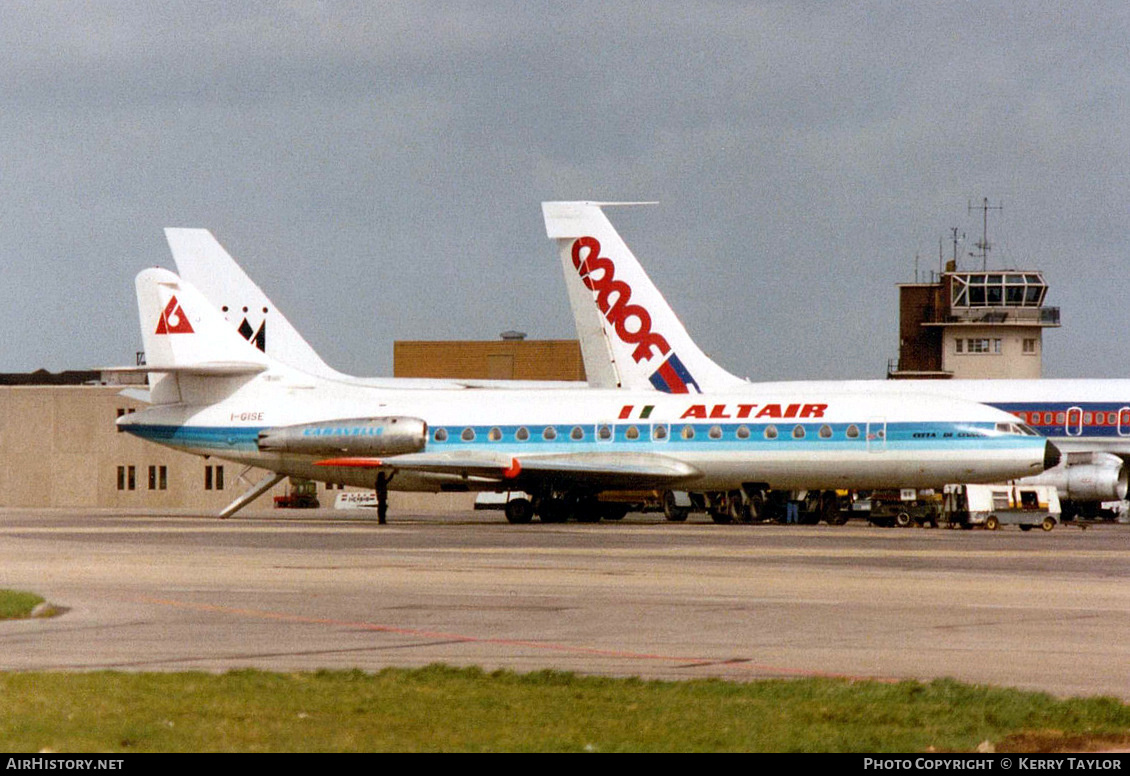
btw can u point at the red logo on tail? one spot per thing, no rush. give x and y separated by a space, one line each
620 312
173 320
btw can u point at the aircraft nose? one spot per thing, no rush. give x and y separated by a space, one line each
1051 456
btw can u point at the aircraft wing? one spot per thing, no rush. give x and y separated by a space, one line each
596 469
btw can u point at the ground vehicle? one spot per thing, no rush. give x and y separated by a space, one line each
301 494
995 505
903 508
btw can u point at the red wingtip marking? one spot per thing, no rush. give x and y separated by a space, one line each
354 463
514 470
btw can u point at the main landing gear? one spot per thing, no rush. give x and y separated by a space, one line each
559 507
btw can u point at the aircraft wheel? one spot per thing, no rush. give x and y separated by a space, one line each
734 506
589 511
553 510
754 509
902 520
1025 528
614 511
1048 524
991 523
519 511
671 510
721 517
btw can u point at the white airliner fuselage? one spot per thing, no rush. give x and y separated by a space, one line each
215 394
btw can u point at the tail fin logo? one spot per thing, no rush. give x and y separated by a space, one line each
672 376
173 320
256 338
620 312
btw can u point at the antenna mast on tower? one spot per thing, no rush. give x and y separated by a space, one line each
983 245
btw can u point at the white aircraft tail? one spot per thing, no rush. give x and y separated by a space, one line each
630 336
204 263
188 344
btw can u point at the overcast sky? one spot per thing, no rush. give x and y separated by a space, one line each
378 167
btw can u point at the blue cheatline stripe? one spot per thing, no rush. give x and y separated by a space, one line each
229 438
743 436
679 436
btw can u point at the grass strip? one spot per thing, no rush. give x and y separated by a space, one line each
439 708
15 604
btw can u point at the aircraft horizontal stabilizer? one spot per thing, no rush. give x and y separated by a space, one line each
208 369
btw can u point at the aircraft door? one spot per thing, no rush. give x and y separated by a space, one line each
876 435
1073 426
1124 421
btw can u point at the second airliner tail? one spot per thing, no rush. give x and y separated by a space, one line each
630 336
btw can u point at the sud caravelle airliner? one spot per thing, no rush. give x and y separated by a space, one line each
212 393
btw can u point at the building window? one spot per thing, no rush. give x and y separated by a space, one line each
158 478
121 478
1030 346
131 478
960 342
213 478
122 412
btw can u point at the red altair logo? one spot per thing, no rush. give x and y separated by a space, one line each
173 320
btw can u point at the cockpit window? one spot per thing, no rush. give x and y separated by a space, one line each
1019 429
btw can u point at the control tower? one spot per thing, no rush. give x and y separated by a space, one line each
973 325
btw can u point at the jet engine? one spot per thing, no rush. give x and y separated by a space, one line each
354 436
1087 477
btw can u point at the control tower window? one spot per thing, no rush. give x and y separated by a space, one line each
1007 289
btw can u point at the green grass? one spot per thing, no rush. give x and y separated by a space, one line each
15 604
447 709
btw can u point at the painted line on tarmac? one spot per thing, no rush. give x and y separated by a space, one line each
689 662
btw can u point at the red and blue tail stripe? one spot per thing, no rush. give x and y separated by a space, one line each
673 377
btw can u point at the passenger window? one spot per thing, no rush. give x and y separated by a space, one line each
715 432
494 434
549 434
743 432
604 432
659 432
632 433
825 432
522 434
440 435
798 432
770 432
577 434
853 431
468 435
688 432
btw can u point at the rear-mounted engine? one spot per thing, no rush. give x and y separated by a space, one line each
355 436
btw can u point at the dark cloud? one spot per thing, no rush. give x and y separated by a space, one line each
377 167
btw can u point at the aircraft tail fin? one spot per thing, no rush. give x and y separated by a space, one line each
188 344
630 336
204 263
